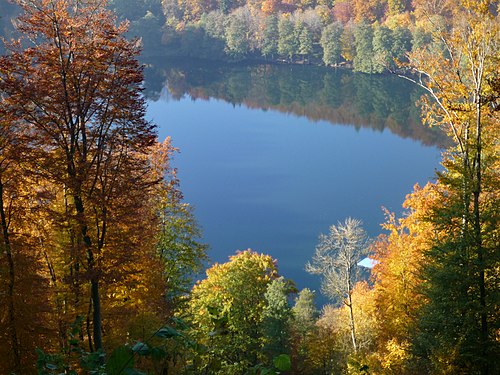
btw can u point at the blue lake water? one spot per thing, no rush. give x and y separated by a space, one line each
273 181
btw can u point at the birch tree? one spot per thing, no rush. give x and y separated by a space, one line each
336 258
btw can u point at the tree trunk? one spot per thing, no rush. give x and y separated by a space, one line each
351 316
353 331
11 284
96 316
94 277
479 241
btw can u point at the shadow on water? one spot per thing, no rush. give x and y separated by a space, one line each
379 102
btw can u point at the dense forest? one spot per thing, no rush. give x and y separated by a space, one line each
100 251
371 36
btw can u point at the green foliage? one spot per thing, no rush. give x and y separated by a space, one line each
241 36
458 326
331 42
76 357
166 350
237 34
382 46
305 40
363 36
281 363
214 24
304 312
227 314
356 366
121 361
302 327
179 247
287 41
270 40
276 319
420 38
448 337
402 43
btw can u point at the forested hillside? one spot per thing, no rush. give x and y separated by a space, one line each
370 36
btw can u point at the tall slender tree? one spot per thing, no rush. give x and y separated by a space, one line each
8 186
336 259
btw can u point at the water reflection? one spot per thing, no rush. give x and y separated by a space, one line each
336 96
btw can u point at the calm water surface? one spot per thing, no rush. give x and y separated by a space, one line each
272 180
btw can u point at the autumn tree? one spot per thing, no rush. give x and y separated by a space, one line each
75 83
336 260
9 186
457 72
23 198
342 11
398 6
399 258
227 311
270 7
326 349
368 11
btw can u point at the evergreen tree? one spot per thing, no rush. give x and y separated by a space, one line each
304 311
302 329
363 38
401 43
332 44
287 42
382 45
305 40
270 39
276 319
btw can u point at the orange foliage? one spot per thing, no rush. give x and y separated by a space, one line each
270 6
343 11
81 228
368 10
400 255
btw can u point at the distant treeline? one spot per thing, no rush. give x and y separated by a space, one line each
369 36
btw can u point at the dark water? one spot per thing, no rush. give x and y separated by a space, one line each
271 156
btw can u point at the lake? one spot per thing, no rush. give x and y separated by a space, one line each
271 156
